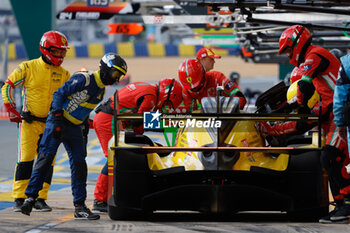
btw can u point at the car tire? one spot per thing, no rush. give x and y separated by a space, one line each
310 215
120 213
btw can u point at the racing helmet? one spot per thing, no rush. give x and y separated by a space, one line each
169 94
192 75
112 68
294 42
53 46
292 95
234 76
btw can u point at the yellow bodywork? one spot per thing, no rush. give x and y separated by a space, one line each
243 134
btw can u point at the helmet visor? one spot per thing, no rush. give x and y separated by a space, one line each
117 75
58 53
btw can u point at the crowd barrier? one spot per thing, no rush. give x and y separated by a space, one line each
128 49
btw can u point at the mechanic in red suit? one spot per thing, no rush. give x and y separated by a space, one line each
198 84
136 97
318 70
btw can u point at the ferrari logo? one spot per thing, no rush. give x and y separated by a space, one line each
63 40
189 79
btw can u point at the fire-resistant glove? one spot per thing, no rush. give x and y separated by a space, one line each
304 92
13 114
58 124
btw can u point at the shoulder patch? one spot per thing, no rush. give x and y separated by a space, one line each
229 85
307 67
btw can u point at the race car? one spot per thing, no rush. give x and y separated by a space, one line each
217 170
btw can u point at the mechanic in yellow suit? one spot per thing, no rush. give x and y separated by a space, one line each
39 78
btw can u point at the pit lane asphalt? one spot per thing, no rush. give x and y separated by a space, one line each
61 219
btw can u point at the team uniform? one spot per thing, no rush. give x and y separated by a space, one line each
39 81
70 109
77 97
136 97
39 78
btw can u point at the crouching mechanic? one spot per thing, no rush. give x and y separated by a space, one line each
198 84
134 98
40 78
71 106
334 155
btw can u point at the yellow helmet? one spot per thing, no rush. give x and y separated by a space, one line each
292 95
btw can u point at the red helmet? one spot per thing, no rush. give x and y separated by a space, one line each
192 75
294 41
54 45
170 94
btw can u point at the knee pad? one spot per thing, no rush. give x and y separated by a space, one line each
49 173
44 163
81 171
24 170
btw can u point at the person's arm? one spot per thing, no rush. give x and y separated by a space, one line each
14 80
145 103
231 88
285 128
341 96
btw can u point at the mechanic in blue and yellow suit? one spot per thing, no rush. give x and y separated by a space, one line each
39 78
71 106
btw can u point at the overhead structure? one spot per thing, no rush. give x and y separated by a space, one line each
252 25
262 23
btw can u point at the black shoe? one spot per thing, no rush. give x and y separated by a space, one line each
99 207
343 213
18 204
82 212
327 219
41 206
27 206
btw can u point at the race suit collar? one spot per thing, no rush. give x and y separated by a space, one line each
41 59
98 79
